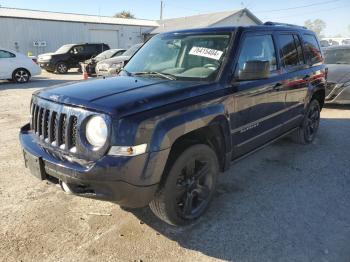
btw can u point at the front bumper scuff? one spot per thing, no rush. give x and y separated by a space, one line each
128 181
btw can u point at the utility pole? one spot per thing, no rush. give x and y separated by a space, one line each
161 10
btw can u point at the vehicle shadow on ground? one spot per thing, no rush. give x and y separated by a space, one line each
282 203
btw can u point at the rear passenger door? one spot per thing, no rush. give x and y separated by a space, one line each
297 78
259 104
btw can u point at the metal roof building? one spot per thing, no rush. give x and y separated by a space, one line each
42 31
228 18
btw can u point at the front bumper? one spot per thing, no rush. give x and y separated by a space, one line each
47 65
128 181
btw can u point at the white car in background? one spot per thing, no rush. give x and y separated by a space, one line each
17 67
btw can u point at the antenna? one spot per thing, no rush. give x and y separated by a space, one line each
161 10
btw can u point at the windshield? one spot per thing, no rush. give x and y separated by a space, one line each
106 54
183 56
337 56
132 50
63 49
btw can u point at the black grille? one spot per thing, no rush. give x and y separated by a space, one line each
57 129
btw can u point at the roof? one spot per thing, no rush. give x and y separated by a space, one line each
55 16
199 21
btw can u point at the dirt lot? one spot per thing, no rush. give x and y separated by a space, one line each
287 202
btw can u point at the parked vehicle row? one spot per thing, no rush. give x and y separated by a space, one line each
185 106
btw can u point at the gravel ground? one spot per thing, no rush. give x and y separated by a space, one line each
286 202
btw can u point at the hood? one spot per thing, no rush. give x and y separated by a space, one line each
45 54
115 60
338 73
124 95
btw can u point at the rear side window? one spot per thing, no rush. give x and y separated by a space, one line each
288 51
5 54
312 50
258 47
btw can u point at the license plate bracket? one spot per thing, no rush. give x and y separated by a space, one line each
35 165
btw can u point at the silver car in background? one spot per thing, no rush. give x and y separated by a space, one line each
337 59
113 65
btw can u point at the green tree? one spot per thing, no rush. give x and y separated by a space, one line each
124 14
316 25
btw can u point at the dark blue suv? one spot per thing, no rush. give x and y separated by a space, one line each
186 105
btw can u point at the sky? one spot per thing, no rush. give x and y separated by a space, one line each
334 12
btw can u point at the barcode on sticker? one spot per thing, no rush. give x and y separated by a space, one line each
206 52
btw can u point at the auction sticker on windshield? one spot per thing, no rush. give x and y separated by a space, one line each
206 52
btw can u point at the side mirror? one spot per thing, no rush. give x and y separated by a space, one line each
254 70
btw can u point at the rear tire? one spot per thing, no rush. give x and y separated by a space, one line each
189 187
61 68
21 76
306 133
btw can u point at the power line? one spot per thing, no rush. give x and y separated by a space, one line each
298 7
308 13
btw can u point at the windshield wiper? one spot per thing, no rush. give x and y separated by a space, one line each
164 75
126 71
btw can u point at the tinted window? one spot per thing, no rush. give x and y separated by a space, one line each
77 50
5 54
92 49
312 51
258 47
288 50
291 50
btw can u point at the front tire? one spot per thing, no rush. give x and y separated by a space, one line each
61 68
308 129
21 76
189 187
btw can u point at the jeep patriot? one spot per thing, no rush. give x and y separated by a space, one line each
183 108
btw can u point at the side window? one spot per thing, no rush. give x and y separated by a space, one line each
288 50
258 47
77 50
5 54
312 51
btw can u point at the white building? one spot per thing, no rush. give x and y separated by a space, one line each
41 31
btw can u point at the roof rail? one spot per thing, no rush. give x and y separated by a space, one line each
284 24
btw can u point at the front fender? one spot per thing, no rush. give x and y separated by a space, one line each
171 128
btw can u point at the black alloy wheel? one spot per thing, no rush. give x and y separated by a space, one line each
61 68
189 187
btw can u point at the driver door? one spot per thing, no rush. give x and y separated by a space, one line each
77 55
259 104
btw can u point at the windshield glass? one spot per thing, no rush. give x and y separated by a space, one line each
106 54
184 56
337 56
132 50
63 49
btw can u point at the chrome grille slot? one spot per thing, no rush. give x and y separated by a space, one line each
74 132
55 124
39 121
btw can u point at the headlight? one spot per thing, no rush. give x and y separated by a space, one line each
96 131
117 66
